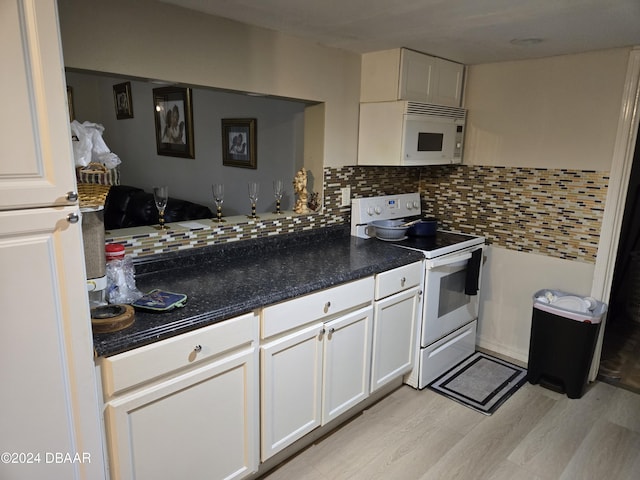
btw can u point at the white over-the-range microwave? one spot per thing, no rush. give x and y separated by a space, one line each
410 133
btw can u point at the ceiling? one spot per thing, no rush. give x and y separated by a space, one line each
466 31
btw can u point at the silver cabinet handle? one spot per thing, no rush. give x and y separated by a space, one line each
73 218
403 281
327 306
331 330
197 348
72 196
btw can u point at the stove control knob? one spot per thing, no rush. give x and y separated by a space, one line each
370 211
416 204
410 205
378 210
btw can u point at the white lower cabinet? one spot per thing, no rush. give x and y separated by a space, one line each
396 313
347 363
198 422
319 366
395 327
291 388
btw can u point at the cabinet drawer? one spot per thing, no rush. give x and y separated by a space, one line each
398 279
140 365
325 303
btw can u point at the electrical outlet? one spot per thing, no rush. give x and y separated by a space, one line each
346 196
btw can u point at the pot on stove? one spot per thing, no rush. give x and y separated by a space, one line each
423 228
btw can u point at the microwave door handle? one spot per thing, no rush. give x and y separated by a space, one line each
458 259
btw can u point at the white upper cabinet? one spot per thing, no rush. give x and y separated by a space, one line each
36 150
402 74
418 76
447 88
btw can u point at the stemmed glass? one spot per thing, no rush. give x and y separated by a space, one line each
218 197
278 186
254 188
161 196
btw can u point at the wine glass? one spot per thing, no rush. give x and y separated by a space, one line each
254 188
161 196
278 186
218 197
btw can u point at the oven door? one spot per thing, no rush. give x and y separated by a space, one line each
446 306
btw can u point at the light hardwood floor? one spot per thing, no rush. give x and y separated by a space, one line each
536 434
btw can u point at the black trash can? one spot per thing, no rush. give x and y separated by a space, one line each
564 331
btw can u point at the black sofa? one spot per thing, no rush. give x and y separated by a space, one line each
127 206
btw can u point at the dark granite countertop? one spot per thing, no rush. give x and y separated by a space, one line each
231 279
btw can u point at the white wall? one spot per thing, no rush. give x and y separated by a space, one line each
159 41
510 279
558 112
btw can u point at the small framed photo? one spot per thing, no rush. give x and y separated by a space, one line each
239 142
122 99
174 121
72 114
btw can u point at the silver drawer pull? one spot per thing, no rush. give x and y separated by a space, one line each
327 306
197 348
403 281
72 196
73 218
331 331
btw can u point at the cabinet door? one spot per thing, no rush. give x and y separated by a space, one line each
49 397
202 424
291 382
347 362
448 86
37 166
394 331
417 77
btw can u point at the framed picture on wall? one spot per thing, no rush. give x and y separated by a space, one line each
239 142
174 121
122 100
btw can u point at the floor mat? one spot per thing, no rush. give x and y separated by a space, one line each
481 382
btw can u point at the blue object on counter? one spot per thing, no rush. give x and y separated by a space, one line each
160 301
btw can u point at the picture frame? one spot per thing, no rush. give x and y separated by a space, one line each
239 139
174 121
122 100
72 114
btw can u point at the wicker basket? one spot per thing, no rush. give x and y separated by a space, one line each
92 195
94 182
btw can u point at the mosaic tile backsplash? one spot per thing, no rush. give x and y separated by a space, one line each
546 211
554 212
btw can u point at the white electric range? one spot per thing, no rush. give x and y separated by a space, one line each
453 265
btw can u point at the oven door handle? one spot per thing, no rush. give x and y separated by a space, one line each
458 259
